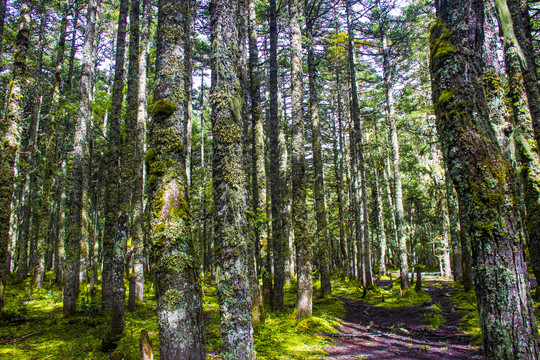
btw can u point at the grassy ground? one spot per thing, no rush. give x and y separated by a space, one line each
32 326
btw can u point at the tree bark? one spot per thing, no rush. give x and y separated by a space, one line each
484 182
229 179
74 226
12 138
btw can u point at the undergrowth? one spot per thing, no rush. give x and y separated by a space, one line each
32 326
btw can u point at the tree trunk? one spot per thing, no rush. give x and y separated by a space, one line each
176 261
12 138
321 235
361 208
113 291
528 161
258 172
74 226
484 182
229 179
275 183
299 208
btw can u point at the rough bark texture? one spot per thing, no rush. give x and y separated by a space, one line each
12 138
138 247
275 183
396 162
321 235
360 188
132 160
74 226
229 179
522 137
258 171
484 182
177 266
48 171
112 237
299 207
519 16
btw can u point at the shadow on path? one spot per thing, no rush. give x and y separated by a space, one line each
373 332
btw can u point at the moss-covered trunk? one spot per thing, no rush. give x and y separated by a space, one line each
275 179
74 226
522 137
299 207
484 182
176 265
132 158
12 138
258 171
112 247
229 179
357 151
321 235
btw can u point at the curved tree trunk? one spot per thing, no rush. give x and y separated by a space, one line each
484 182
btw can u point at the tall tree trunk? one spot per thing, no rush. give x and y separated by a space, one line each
74 227
229 179
176 261
137 200
44 214
275 183
361 208
113 245
258 172
299 207
484 182
132 157
528 161
321 235
396 163
12 138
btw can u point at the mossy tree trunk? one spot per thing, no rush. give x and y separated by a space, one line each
299 207
229 179
12 138
321 235
357 150
519 11
275 178
50 148
522 136
74 226
396 162
138 219
113 248
176 265
132 158
484 182
258 171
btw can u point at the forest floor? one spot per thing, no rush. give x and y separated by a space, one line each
386 324
378 328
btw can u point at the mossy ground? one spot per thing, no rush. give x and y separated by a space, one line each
49 335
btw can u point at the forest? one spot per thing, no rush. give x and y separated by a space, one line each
264 179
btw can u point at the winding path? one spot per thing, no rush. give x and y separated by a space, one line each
373 332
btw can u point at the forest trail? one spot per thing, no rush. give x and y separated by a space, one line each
374 332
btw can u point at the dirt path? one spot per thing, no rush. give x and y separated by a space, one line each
373 332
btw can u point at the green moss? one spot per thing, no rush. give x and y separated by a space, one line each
440 41
164 108
446 96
